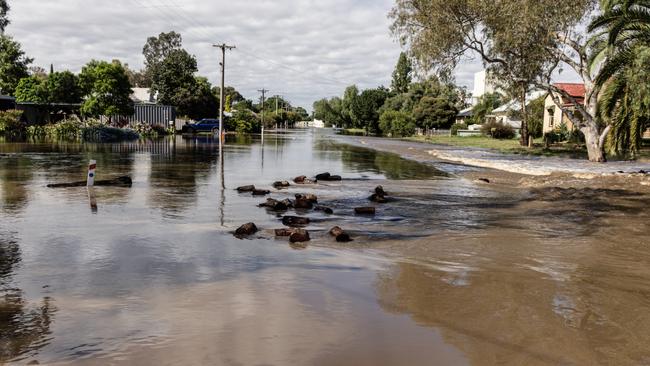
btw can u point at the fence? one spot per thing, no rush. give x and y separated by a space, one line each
432 132
151 114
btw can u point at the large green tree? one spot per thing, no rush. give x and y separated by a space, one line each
107 89
366 108
14 64
32 89
402 76
432 112
440 33
156 50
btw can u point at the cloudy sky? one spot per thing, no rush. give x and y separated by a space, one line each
302 49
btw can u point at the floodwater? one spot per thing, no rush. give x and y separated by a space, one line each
449 272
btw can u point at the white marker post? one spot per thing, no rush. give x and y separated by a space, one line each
91 173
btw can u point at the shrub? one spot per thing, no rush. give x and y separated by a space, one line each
498 130
397 124
10 123
108 134
458 126
246 122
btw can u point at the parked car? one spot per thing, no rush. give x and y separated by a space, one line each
204 125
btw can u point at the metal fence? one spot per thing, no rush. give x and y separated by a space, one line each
151 114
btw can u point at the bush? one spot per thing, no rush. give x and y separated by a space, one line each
397 124
498 130
10 123
108 134
458 126
246 122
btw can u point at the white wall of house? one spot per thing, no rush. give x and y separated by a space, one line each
553 116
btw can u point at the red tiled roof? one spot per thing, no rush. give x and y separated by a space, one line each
573 89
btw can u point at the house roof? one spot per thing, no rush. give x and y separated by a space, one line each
514 105
575 90
465 113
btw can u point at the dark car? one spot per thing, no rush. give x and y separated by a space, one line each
204 125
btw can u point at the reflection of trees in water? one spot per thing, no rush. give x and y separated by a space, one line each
173 177
23 329
15 174
391 165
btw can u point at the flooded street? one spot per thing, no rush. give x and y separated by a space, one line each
449 272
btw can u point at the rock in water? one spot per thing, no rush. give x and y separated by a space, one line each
323 176
378 198
379 190
324 209
299 236
274 205
283 232
365 210
300 180
281 184
484 180
246 229
340 235
309 197
302 203
245 189
295 221
261 192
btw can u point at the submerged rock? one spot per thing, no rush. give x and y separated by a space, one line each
324 209
327 177
379 196
274 205
295 221
309 197
365 210
299 236
124 181
483 180
323 176
245 189
246 229
302 203
261 192
303 180
283 232
340 235
281 184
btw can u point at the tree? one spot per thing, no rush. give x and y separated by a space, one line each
246 122
107 89
365 108
432 112
302 114
32 89
156 50
402 74
139 79
397 124
4 19
441 32
63 87
486 104
177 85
13 64
621 52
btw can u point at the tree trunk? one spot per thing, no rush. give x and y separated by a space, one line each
594 145
524 119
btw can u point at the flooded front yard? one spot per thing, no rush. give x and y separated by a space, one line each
449 272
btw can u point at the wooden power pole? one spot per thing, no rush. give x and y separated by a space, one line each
263 91
223 47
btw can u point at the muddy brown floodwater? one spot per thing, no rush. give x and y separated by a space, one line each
449 271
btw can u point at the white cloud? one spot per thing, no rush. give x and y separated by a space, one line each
303 49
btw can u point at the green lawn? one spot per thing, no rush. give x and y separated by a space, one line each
507 146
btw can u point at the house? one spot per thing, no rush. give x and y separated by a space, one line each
143 96
554 116
464 116
509 113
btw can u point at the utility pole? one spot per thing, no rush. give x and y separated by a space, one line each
263 91
223 47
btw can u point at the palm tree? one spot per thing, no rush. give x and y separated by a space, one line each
620 51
